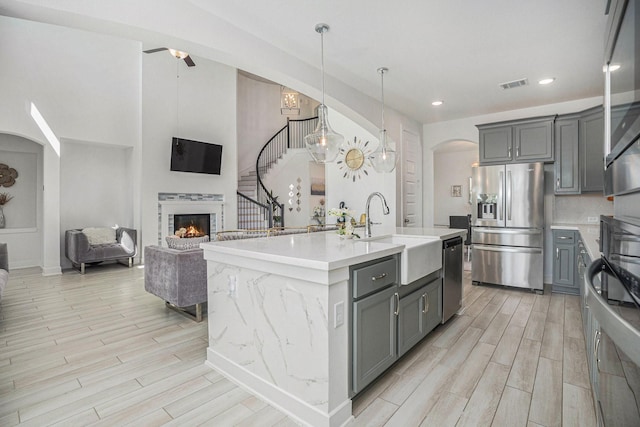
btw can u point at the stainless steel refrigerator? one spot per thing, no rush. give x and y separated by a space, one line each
508 225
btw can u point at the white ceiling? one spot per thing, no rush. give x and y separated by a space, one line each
455 51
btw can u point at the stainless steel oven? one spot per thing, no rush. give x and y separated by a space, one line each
613 300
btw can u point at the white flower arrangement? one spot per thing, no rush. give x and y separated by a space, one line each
347 228
318 211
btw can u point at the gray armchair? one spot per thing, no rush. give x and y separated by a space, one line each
4 267
179 277
80 252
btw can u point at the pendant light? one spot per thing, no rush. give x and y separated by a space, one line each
323 143
384 158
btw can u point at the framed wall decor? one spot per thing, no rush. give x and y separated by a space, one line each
456 191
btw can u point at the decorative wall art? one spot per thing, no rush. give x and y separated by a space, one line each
7 175
456 191
317 186
355 159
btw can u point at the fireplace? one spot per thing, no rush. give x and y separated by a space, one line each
197 225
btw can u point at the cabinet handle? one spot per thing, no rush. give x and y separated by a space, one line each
382 276
563 237
557 253
509 152
397 303
426 303
558 183
518 150
596 347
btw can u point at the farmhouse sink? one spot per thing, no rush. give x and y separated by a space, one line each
420 256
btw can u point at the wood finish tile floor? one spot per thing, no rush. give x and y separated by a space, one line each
98 350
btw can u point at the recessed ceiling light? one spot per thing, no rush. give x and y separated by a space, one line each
437 103
612 67
546 81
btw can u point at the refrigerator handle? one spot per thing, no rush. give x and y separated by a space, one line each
501 198
509 192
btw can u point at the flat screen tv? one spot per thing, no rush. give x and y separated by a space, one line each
195 156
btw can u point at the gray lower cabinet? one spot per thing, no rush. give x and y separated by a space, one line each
419 313
564 262
387 319
374 336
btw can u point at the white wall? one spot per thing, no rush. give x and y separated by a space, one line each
23 232
355 193
295 164
259 117
85 85
452 168
199 105
95 186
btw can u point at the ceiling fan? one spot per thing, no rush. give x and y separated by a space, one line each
177 53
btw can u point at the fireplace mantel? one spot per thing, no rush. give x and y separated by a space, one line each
169 205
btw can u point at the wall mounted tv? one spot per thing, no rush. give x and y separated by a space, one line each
195 156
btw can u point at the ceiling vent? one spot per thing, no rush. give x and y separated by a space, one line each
514 84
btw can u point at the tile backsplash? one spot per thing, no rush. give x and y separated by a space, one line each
577 209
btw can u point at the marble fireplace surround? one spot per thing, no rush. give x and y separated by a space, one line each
170 204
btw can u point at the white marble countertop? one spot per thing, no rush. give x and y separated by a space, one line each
324 251
590 234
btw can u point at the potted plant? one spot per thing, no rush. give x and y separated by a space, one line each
4 199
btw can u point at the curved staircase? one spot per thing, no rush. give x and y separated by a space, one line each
257 207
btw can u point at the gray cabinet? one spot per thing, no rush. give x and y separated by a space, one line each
566 167
517 141
592 150
374 336
564 262
386 319
579 142
419 313
496 144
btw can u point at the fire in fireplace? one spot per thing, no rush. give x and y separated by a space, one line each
197 225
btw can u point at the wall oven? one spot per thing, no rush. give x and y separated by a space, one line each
613 341
622 98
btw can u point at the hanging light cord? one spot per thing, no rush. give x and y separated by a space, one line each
382 70
178 98
322 61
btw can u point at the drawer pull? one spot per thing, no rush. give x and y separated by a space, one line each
563 237
380 277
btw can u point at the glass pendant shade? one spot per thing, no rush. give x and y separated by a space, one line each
324 143
384 158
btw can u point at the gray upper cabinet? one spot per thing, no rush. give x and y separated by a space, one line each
533 142
592 150
495 145
566 168
517 141
578 166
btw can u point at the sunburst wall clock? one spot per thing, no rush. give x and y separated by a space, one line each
354 159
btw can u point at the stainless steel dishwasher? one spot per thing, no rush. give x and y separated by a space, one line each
451 277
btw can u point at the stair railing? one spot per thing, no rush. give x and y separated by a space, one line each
290 136
247 204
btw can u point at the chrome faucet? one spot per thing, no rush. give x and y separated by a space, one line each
385 210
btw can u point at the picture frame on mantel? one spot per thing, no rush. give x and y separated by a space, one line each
456 191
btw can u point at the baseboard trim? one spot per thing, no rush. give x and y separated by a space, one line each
289 404
51 271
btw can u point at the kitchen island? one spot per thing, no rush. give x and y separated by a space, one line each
278 313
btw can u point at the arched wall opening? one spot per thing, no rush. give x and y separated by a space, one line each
452 162
24 213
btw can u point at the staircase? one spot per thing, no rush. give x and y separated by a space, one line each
256 207
251 216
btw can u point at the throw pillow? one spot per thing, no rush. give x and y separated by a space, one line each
100 236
